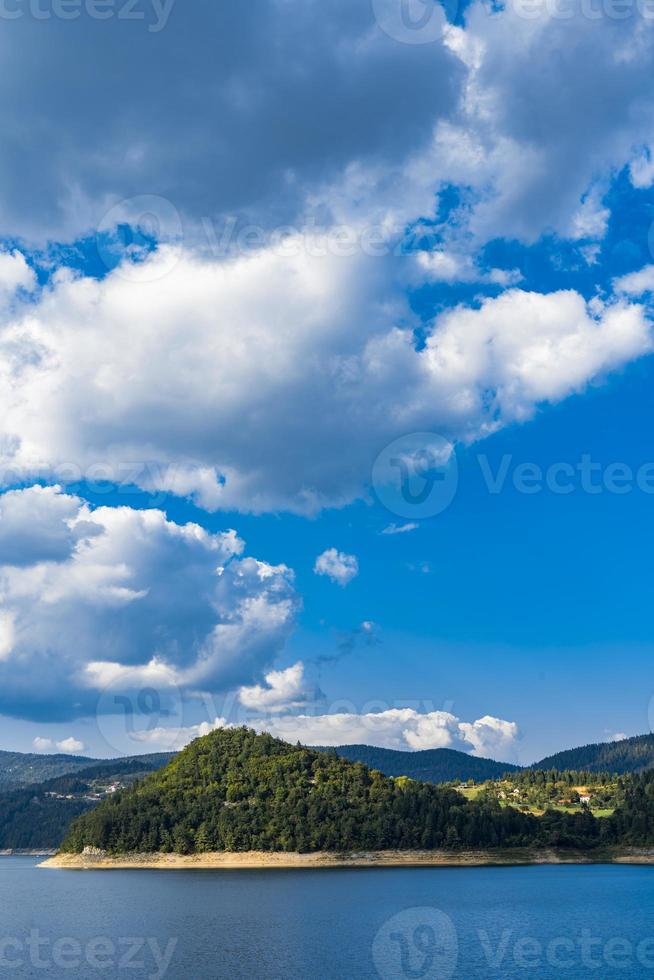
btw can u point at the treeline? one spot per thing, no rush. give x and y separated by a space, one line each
541 778
631 755
235 790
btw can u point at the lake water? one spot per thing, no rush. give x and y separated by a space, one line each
422 924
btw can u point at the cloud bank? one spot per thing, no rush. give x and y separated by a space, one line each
89 387
116 597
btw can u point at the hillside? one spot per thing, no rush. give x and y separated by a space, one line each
234 790
629 755
429 765
38 816
25 768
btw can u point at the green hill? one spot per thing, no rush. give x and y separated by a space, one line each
629 755
429 765
234 790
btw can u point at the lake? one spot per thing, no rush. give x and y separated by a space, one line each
341 924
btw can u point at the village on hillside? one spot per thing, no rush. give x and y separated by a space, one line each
533 791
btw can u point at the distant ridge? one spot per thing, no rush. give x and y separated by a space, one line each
427 765
628 755
26 768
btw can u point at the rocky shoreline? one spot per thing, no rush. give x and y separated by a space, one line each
94 859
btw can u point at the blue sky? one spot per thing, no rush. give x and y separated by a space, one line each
231 313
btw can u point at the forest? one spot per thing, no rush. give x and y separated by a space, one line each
235 790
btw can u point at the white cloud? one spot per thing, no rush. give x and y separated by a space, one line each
174 739
641 169
15 275
617 736
68 746
443 266
400 728
337 566
128 598
88 386
485 115
491 736
283 690
400 528
636 283
404 729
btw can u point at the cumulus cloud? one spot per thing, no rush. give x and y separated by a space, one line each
636 283
88 387
165 739
16 276
485 115
401 728
531 160
337 566
68 746
127 598
404 729
283 690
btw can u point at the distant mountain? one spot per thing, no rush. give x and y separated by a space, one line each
37 816
629 755
429 765
24 768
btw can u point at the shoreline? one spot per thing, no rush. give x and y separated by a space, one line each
359 859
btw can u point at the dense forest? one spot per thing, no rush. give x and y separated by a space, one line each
235 790
428 765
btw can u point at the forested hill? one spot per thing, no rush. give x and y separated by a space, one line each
429 765
235 790
629 755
